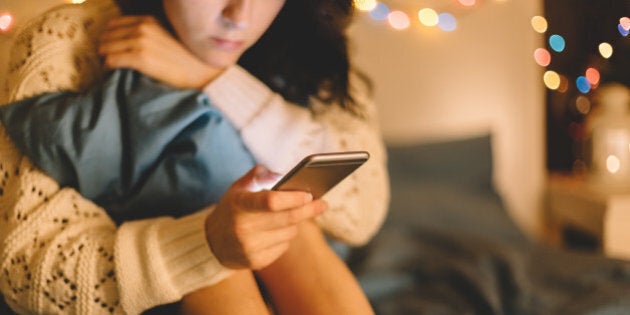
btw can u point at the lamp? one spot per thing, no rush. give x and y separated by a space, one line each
610 139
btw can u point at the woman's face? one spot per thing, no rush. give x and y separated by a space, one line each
219 31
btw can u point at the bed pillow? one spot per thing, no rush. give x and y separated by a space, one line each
463 162
447 186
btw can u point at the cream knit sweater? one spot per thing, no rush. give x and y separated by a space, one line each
60 253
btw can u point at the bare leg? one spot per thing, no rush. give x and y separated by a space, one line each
311 279
238 294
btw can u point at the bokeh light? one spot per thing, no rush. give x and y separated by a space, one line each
583 104
447 22
564 84
398 20
551 79
380 12
606 50
77 1
624 32
539 24
582 84
593 76
613 164
365 5
625 23
428 17
6 21
542 57
468 3
557 42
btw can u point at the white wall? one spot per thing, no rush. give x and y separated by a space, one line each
433 85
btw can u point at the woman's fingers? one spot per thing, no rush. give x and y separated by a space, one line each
267 256
266 200
286 218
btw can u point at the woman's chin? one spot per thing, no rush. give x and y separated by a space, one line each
221 61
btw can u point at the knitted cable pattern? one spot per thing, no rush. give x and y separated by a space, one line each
50 265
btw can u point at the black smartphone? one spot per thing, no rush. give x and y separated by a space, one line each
318 173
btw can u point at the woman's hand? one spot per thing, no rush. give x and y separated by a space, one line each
142 44
251 229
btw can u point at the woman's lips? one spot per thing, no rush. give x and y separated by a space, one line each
226 44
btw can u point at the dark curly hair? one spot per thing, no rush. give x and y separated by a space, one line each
303 54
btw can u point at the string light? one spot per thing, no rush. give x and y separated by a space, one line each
447 22
539 24
467 3
593 76
380 12
606 50
542 57
429 17
557 42
6 21
584 83
365 5
551 79
398 20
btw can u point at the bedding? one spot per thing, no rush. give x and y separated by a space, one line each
450 247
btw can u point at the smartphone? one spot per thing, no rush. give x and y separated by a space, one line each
318 173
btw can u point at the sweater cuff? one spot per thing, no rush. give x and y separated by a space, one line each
239 95
161 260
187 255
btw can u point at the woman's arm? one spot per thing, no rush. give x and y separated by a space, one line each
135 146
279 134
60 253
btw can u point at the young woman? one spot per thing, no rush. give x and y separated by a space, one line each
155 253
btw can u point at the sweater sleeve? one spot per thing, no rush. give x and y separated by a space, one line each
60 253
279 134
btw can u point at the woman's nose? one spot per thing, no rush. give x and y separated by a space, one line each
237 14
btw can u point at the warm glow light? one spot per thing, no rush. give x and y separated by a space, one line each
467 3
447 22
613 164
542 57
592 75
77 1
6 21
539 24
398 20
583 104
564 84
365 5
428 17
606 50
551 79
625 23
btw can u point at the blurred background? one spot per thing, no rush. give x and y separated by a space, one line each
524 71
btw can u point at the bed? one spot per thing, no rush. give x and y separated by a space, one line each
450 247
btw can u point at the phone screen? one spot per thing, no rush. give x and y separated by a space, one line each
318 173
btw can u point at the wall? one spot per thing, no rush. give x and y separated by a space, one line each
433 85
